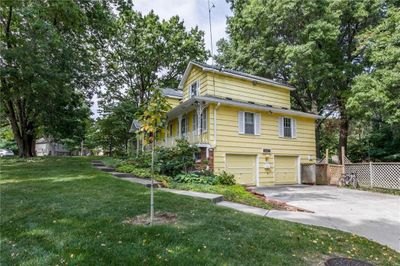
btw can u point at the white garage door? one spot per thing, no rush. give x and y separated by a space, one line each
243 167
285 169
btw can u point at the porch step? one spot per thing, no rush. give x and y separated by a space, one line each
208 196
105 168
144 182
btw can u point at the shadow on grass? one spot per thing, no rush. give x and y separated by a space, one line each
80 221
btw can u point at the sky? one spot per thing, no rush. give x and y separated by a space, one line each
193 13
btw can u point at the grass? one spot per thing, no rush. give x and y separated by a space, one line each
63 211
395 192
235 193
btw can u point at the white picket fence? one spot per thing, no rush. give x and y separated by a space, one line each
379 175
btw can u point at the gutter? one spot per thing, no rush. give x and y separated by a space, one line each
215 123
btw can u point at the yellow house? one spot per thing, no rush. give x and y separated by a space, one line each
243 124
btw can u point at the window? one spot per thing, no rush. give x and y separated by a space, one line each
194 89
184 126
287 127
194 123
170 130
248 123
203 122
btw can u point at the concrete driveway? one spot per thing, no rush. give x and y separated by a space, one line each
375 216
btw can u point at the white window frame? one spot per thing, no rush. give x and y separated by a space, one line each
256 123
292 130
196 86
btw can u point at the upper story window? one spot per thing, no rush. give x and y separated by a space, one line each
194 89
287 127
249 123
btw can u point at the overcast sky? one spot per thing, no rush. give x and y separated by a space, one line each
193 13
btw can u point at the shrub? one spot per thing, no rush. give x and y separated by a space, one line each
225 178
142 172
143 160
192 178
175 160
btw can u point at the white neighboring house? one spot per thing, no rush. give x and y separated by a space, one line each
48 147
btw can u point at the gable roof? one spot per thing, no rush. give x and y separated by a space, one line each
172 93
232 73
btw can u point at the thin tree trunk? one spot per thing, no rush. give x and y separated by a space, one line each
343 131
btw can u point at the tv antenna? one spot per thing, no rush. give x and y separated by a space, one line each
211 6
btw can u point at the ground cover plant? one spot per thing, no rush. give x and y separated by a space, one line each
64 211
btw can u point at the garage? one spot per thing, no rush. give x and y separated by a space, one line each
243 167
285 169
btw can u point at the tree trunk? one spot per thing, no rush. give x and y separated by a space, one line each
343 131
317 139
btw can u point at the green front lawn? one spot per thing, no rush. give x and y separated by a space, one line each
63 211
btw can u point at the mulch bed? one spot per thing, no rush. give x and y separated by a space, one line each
159 218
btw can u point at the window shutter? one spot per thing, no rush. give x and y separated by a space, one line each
294 128
280 127
241 122
257 124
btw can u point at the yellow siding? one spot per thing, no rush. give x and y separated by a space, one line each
195 74
173 102
244 90
230 141
204 138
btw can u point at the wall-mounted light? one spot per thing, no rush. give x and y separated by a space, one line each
310 157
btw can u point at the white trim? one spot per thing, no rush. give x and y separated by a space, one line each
215 123
222 72
257 170
188 105
298 170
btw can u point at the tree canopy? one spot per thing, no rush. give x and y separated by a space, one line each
314 45
49 62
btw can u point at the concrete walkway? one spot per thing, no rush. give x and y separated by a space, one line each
372 215
375 216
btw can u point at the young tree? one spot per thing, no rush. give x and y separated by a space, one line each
310 44
152 124
48 61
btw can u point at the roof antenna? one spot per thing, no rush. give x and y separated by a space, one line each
210 6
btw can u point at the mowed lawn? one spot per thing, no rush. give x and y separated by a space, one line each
59 211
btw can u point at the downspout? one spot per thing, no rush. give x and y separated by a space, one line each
215 123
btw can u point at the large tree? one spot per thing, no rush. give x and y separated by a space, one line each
48 61
145 52
311 44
